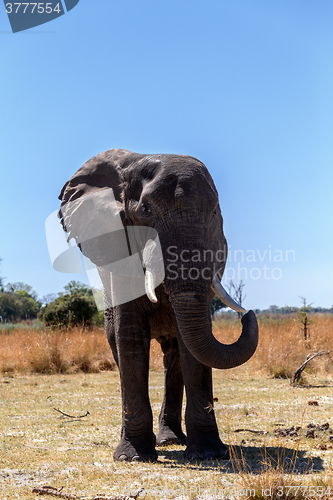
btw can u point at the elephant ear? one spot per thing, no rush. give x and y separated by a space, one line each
102 172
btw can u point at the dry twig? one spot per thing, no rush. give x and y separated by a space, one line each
250 430
71 416
55 492
298 372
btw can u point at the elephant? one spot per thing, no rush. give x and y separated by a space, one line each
174 197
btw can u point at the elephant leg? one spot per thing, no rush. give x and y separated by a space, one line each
110 333
170 430
203 441
132 340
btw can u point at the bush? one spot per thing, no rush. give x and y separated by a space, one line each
69 310
18 305
281 372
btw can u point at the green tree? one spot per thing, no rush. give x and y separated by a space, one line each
77 306
30 306
77 287
10 307
20 286
18 302
216 305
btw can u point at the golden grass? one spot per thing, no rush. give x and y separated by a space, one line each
282 348
280 352
40 447
55 351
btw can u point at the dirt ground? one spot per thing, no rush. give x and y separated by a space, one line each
279 437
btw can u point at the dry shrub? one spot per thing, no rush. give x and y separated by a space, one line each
275 484
282 348
282 475
55 351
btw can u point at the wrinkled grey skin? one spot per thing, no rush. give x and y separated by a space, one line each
176 196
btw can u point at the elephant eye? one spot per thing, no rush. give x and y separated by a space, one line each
145 208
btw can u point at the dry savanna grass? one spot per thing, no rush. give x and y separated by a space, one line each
281 347
277 441
279 436
55 351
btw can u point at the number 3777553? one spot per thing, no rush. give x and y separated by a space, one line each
32 7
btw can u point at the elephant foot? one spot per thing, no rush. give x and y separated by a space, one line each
167 436
197 453
139 452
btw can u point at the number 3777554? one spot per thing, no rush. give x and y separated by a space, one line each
32 7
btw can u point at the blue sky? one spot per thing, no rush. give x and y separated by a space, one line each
245 86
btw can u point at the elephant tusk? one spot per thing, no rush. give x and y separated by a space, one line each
150 285
224 296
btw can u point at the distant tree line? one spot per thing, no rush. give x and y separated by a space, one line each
236 291
76 305
292 310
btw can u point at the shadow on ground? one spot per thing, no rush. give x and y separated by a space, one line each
251 460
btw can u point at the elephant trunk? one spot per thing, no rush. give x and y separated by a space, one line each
194 322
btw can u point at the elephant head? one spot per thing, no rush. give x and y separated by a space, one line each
174 197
